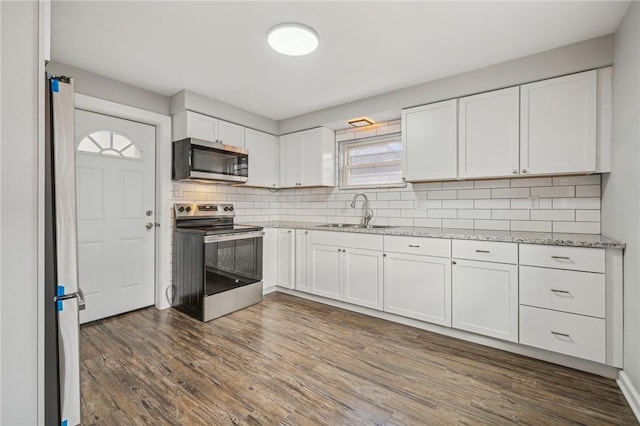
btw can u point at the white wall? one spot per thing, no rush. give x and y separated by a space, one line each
102 87
595 53
18 223
621 191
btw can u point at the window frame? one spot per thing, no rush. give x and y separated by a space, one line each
343 168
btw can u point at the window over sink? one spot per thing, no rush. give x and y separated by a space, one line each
371 163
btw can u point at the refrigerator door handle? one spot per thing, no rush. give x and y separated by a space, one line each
82 304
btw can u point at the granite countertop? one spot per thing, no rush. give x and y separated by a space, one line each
573 240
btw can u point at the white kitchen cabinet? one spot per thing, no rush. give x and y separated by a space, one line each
558 125
363 277
429 138
285 258
269 257
485 298
303 256
189 124
488 129
326 271
264 159
418 287
307 158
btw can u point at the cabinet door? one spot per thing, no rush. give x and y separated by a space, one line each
325 271
202 127
289 160
269 257
488 132
230 134
362 277
429 137
311 158
285 258
303 253
485 298
418 287
558 125
264 159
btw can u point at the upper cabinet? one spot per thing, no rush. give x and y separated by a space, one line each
189 124
263 159
558 125
307 158
429 138
488 129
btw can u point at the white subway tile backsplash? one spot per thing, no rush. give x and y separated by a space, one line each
491 204
496 183
497 225
418 213
530 226
577 180
345 137
467 184
457 204
388 196
442 195
553 191
588 215
565 215
441 214
395 221
472 194
457 223
474 214
510 214
429 223
427 186
400 204
577 203
529 182
510 193
588 191
577 227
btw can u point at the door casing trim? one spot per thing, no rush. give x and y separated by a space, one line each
162 124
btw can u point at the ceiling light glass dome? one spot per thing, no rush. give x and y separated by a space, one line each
293 39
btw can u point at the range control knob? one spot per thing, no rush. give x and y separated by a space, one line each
230 208
226 208
188 209
181 209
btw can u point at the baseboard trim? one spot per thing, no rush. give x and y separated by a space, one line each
630 393
268 289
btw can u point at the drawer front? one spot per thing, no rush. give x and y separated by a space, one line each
485 250
347 239
568 291
570 334
438 247
574 258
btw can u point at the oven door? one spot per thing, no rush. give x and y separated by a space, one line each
232 260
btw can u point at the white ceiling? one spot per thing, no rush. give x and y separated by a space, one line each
219 49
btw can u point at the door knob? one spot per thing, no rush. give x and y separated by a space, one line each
149 225
149 212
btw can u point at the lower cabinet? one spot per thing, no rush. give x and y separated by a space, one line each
326 271
485 298
285 258
303 254
418 287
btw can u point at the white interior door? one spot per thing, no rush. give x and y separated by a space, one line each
116 199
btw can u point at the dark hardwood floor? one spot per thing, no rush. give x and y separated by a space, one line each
294 362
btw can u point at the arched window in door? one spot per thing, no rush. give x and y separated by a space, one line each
109 144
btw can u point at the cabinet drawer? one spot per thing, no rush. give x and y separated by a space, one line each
347 239
569 291
574 258
485 250
438 247
571 334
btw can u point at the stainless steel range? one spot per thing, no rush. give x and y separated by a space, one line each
217 264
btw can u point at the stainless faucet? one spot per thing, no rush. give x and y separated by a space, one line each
367 211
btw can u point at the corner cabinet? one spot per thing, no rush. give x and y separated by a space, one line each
307 158
189 124
264 159
558 125
429 139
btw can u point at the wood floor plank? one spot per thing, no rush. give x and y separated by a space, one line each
291 361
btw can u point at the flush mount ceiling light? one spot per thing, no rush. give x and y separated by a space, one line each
361 122
293 39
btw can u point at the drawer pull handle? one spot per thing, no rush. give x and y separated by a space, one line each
414 246
561 257
483 251
557 333
560 291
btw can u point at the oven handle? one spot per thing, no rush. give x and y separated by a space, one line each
234 236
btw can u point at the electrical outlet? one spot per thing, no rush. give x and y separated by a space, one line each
534 203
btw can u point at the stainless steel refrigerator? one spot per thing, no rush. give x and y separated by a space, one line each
63 298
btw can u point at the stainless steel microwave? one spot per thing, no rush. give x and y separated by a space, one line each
196 159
